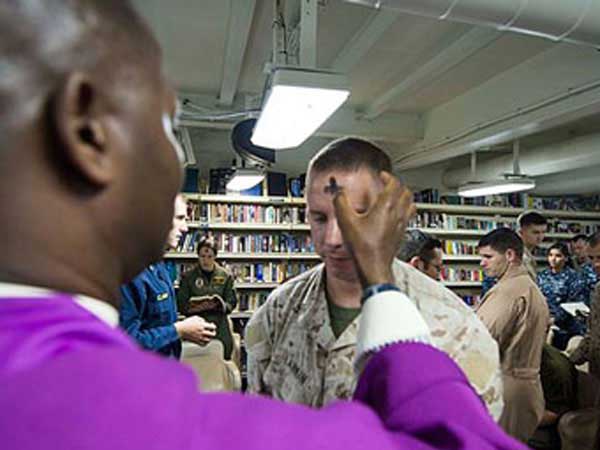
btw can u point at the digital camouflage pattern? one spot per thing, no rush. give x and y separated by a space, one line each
293 355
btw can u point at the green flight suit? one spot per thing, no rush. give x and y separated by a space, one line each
197 283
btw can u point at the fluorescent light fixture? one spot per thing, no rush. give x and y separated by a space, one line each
512 184
297 103
244 179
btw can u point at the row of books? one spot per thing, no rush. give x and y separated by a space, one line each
428 219
264 243
566 202
472 300
250 301
461 274
267 272
246 213
516 200
248 243
459 247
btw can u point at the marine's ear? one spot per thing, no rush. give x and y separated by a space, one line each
79 118
417 263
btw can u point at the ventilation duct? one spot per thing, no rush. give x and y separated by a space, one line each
571 154
575 21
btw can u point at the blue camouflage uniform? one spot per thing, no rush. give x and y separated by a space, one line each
487 284
563 287
149 310
590 279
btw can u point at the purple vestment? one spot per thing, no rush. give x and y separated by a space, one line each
69 381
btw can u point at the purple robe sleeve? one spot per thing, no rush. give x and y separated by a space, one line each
397 406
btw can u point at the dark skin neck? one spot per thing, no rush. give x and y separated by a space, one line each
46 236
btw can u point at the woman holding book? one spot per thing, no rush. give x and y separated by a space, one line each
207 291
562 284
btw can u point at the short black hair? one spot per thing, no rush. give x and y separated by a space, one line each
417 243
349 154
208 242
579 237
561 247
531 218
594 239
501 240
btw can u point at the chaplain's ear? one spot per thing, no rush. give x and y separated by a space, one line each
79 121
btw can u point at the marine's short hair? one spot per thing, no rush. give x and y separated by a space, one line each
418 243
349 154
531 218
501 240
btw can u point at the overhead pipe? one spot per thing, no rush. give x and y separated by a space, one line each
574 21
572 154
583 181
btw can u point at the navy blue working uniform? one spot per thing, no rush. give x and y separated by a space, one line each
590 279
565 286
149 310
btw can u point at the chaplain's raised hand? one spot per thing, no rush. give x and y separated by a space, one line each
374 236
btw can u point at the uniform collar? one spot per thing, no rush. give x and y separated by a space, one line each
102 310
514 271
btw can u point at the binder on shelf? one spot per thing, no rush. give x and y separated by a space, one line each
276 184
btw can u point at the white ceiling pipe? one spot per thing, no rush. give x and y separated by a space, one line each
576 21
576 153
584 181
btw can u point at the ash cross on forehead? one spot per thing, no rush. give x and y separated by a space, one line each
332 188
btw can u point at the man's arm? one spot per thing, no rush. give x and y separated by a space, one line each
133 306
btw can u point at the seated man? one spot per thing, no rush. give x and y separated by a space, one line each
302 341
85 109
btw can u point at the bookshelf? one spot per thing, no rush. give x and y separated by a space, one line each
266 240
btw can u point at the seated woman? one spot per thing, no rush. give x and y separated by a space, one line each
207 291
562 284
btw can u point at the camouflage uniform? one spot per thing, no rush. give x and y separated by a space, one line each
294 356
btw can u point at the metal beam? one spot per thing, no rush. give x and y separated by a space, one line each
308 33
452 56
375 26
240 21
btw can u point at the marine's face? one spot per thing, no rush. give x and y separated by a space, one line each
362 188
533 235
493 263
434 267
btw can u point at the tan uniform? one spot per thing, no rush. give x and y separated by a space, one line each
589 348
294 356
530 264
516 314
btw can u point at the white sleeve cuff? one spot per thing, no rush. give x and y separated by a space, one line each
386 318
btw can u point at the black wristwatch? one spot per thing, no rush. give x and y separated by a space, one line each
376 289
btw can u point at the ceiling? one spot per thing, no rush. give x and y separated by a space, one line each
428 91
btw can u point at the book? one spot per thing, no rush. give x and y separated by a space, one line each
574 307
206 303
